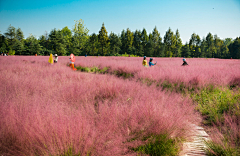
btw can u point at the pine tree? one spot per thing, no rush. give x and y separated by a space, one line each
234 48
19 35
18 47
186 51
123 41
129 40
11 35
156 39
144 40
178 45
3 43
137 42
210 45
115 43
169 41
103 39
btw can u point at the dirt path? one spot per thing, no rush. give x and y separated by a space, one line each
196 146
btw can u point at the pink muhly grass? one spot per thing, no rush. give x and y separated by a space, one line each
201 71
227 134
48 109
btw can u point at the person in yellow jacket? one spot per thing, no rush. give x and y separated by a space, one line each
50 59
144 63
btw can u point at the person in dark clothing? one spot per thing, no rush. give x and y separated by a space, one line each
184 62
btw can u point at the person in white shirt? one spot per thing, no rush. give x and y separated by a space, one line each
56 58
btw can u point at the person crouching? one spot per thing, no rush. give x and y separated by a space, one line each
184 62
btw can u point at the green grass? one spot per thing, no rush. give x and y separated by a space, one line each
214 102
92 69
214 149
158 145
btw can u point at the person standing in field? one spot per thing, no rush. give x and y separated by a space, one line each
56 58
72 60
144 63
150 63
50 59
184 62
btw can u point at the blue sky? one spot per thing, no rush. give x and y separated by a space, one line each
221 17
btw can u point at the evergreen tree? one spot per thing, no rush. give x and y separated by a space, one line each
149 49
186 51
19 35
225 52
203 48
31 43
192 44
144 40
178 45
115 43
137 43
170 42
57 42
11 36
210 46
234 48
93 45
53 40
61 46
3 44
162 50
157 40
103 39
18 46
129 41
43 42
218 43
123 41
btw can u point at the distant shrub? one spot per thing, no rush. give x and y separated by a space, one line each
11 52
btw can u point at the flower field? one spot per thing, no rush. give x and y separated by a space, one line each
52 110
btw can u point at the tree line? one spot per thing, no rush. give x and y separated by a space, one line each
79 42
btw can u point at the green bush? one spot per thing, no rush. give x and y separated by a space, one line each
159 145
11 52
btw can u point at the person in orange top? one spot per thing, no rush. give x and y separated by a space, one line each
72 60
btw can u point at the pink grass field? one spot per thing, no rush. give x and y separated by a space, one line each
49 109
201 71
